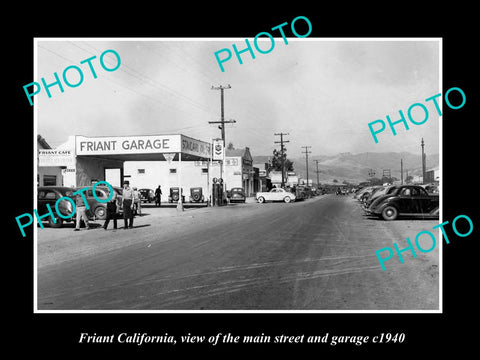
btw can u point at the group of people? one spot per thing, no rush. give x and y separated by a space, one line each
131 199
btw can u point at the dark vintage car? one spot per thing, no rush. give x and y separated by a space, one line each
98 209
175 194
303 192
405 200
147 195
49 195
364 194
376 193
237 194
196 195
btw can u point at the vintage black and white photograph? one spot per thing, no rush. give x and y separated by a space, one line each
268 174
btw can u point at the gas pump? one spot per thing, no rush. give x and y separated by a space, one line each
217 192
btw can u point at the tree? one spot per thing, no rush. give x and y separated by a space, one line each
276 163
375 181
335 180
230 146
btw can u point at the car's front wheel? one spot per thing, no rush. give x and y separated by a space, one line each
390 213
100 213
261 199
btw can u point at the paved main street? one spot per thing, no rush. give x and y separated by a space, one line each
317 254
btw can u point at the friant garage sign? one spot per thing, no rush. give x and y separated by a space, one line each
143 144
218 149
113 145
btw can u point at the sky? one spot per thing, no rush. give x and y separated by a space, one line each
322 92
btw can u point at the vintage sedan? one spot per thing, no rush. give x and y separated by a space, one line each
98 209
147 195
196 195
405 200
49 195
237 195
175 195
276 194
383 190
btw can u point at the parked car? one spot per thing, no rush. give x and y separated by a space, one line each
360 192
303 192
405 200
196 195
276 194
365 193
147 195
49 195
175 195
431 188
384 190
299 193
237 195
98 210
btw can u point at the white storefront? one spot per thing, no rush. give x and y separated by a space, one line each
88 159
237 171
148 161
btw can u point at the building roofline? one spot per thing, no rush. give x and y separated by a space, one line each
43 142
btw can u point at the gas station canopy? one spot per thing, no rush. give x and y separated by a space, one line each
143 147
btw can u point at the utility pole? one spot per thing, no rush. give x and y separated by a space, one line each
222 119
282 149
424 163
401 171
306 157
318 181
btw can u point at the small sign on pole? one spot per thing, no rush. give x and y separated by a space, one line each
218 149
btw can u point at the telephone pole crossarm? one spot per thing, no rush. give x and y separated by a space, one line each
222 120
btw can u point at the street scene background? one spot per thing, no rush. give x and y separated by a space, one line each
315 254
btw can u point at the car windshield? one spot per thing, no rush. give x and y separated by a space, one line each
106 191
394 190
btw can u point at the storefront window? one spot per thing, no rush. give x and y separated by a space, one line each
49 180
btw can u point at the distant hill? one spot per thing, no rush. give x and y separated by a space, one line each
355 167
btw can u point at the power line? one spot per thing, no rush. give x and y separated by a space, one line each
145 79
154 83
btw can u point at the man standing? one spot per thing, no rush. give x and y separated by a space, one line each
81 213
137 201
111 211
158 196
127 204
